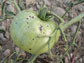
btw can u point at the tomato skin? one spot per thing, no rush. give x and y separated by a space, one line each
28 32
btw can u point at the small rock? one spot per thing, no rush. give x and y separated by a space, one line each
22 54
37 5
17 50
66 60
80 8
2 37
40 2
10 7
7 34
47 2
71 14
7 52
43 55
29 2
59 11
30 8
73 28
80 60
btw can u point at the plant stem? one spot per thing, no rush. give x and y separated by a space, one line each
66 12
76 19
73 41
58 17
78 2
3 5
32 59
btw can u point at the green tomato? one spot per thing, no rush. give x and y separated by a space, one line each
26 29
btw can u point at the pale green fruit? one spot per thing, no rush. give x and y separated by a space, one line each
28 32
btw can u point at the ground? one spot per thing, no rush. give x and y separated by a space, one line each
74 55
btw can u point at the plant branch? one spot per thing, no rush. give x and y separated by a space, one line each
78 2
76 19
73 41
32 59
58 17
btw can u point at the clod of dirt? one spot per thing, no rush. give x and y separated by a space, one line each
2 38
59 11
7 52
17 50
22 54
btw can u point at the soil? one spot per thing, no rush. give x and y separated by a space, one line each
74 55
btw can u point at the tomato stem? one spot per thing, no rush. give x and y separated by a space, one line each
76 19
58 17
32 59
72 43
43 13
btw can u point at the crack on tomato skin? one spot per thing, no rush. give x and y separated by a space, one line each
27 18
32 17
40 27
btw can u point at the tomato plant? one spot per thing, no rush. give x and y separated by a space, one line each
37 33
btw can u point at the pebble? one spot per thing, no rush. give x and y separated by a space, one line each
43 55
66 60
29 2
47 2
37 5
2 37
59 11
7 52
80 8
17 50
10 7
71 14
22 54
40 2
73 29
80 60
7 35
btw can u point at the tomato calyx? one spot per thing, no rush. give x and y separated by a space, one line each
44 14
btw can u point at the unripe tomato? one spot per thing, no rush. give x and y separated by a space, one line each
30 33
